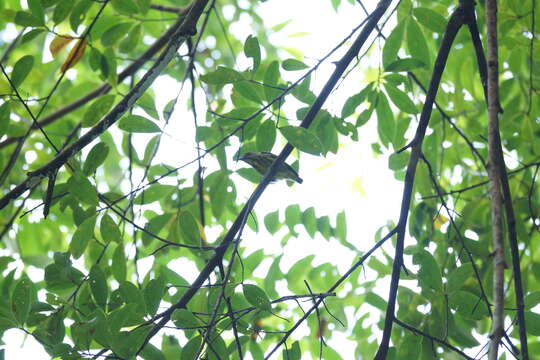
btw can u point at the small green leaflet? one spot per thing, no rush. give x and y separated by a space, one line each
21 69
256 297
293 65
138 124
252 50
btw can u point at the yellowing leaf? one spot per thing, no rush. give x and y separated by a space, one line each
439 221
74 55
59 43
357 187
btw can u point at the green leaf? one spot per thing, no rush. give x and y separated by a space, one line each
293 216
302 139
271 222
131 294
21 69
5 114
24 18
323 225
252 50
62 10
147 103
184 319
218 194
95 158
407 64
293 65
97 110
221 76
430 19
376 301
82 189
429 275
293 353
150 150
532 320
79 13
132 40
256 297
138 124
153 193
385 120
298 273
119 264
21 300
31 35
256 351
37 10
98 285
303 93
401 99
109 230
189 228
271 80
191 349
116 32
468 305
248 90
416 42
393 44
457 277
274 274
127 7
532 299
310 221
266 136
83 234
341 227
398 161
153 292
354 101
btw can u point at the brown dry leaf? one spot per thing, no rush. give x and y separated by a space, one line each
58 44
74 55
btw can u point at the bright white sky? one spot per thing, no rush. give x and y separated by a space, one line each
353 180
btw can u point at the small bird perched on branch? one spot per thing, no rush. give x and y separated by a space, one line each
261 162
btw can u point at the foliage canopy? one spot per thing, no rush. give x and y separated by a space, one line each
100 232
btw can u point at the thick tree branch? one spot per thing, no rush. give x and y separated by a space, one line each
495 182
457 19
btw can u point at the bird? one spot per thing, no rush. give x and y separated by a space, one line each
261 161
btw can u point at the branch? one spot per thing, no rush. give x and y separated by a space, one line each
432 338
454 24
494 171
165 8
187 29
499 163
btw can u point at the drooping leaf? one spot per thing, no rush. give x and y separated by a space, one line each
95 158
74 55
252 50
430 19
21 69
82 236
